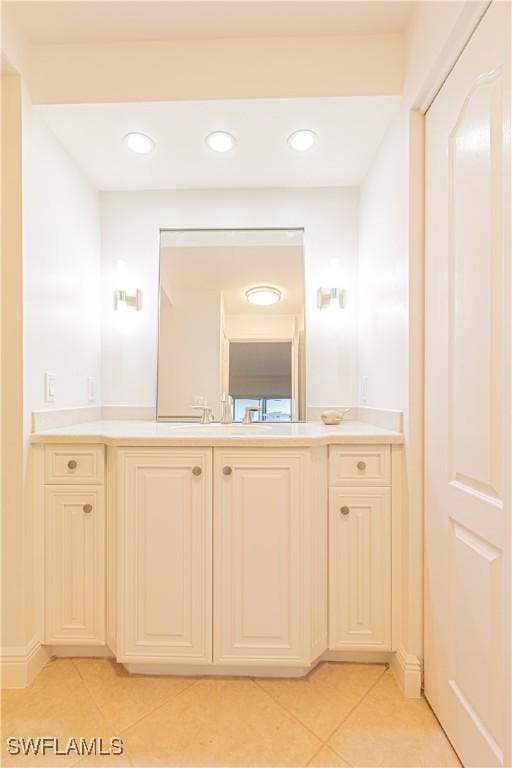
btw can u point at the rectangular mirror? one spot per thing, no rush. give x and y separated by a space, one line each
231 323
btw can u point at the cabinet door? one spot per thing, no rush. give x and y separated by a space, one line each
74 566
259 563
360 569
165 521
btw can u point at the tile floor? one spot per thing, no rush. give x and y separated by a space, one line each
341 714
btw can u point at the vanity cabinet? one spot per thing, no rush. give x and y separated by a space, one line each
164 499
249 532
74 544
260 526
219 558
360 548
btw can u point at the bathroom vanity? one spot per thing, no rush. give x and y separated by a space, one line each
219 549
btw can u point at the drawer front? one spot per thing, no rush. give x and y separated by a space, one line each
360 465
69 464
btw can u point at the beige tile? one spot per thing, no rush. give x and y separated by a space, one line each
57 704
103 761
388 730
323 699
327 758
226 722
123 698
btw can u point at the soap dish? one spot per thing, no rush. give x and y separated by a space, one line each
334 416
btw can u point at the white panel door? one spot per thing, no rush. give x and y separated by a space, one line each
74 565
259 564
468 422
360 569
165 557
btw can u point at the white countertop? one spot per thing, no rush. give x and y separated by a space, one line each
133 433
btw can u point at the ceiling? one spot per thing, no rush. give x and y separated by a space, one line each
81 22
349 130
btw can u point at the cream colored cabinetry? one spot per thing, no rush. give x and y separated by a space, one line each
165 555
360 548
261 523
269 556
74 541
219 557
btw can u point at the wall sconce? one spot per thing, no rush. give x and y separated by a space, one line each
122 297
330 297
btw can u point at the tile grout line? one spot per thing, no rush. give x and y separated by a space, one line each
351 712
163 704
100 711
339 723
146 714
289 713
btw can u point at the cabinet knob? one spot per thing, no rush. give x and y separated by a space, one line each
345 510
87 508
72 464
227 470
361 464
197 471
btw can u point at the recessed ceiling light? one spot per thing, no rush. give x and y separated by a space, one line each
139 143
302 140
263 295
220 141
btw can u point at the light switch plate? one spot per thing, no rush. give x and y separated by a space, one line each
50 381
91 389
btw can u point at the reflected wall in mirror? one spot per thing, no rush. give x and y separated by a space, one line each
218 336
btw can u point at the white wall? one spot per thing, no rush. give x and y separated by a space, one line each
384 218
383 273
62 271
130 230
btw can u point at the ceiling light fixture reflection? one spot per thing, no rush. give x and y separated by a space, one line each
139 143
302 140
263 295
220 141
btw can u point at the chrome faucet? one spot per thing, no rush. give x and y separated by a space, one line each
226 409
249 410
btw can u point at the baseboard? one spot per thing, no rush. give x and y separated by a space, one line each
407 670
207 670
20 665
359 657
81 651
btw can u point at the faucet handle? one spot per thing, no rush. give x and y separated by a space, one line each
207 413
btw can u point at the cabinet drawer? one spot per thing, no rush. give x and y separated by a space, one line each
360 465
66 464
